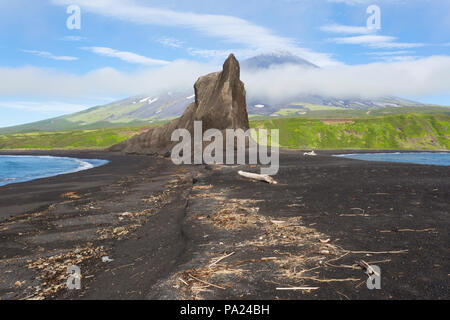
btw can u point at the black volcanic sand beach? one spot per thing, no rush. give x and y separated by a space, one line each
142 228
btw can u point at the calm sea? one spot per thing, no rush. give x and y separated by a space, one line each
432 158
15 169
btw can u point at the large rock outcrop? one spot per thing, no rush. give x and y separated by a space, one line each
219 104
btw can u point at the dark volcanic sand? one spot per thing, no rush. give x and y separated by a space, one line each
361 206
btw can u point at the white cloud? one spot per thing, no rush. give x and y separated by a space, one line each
356 2
171 42
339 28
399 58
375 41
72 38
425 77
396 45
350 2
394 56
229 28
221 54
125 56
207 53
41 83
389 53
368 39
49 55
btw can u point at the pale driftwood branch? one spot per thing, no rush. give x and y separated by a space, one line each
299 288
259 177
207 283
368 268
220 259
183 282
377 252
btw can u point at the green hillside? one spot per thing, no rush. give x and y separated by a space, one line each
409 131
404 131
61 124
78 139
314 111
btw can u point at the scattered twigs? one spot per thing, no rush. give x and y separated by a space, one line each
71 195
259 177
28 297
207 283
367 268
345 296
220 259
329 264
380 261
362 214
329 280
355 266
338 258
298 288
407 230
181 279
303 271
378 252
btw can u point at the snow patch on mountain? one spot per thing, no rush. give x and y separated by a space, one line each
143 100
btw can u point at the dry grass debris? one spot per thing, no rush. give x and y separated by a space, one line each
52 270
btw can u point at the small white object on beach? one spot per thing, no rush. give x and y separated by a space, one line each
107 259
298 288
312 153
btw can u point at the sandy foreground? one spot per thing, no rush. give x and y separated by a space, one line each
143 228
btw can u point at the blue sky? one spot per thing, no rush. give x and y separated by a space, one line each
125 47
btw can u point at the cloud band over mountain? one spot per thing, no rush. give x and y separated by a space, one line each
423 77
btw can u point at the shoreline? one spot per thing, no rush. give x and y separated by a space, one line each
159 222
338 153
82 165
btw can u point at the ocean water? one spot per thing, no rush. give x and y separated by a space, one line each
430 158
15 169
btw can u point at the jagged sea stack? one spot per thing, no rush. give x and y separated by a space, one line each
219 104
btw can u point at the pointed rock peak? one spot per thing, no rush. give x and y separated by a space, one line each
231 68
219 103
231 57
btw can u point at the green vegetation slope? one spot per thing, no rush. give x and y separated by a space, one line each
408 131
78 139
398 131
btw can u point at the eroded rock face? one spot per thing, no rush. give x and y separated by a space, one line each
219 104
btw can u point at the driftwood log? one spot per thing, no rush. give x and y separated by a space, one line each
259 177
